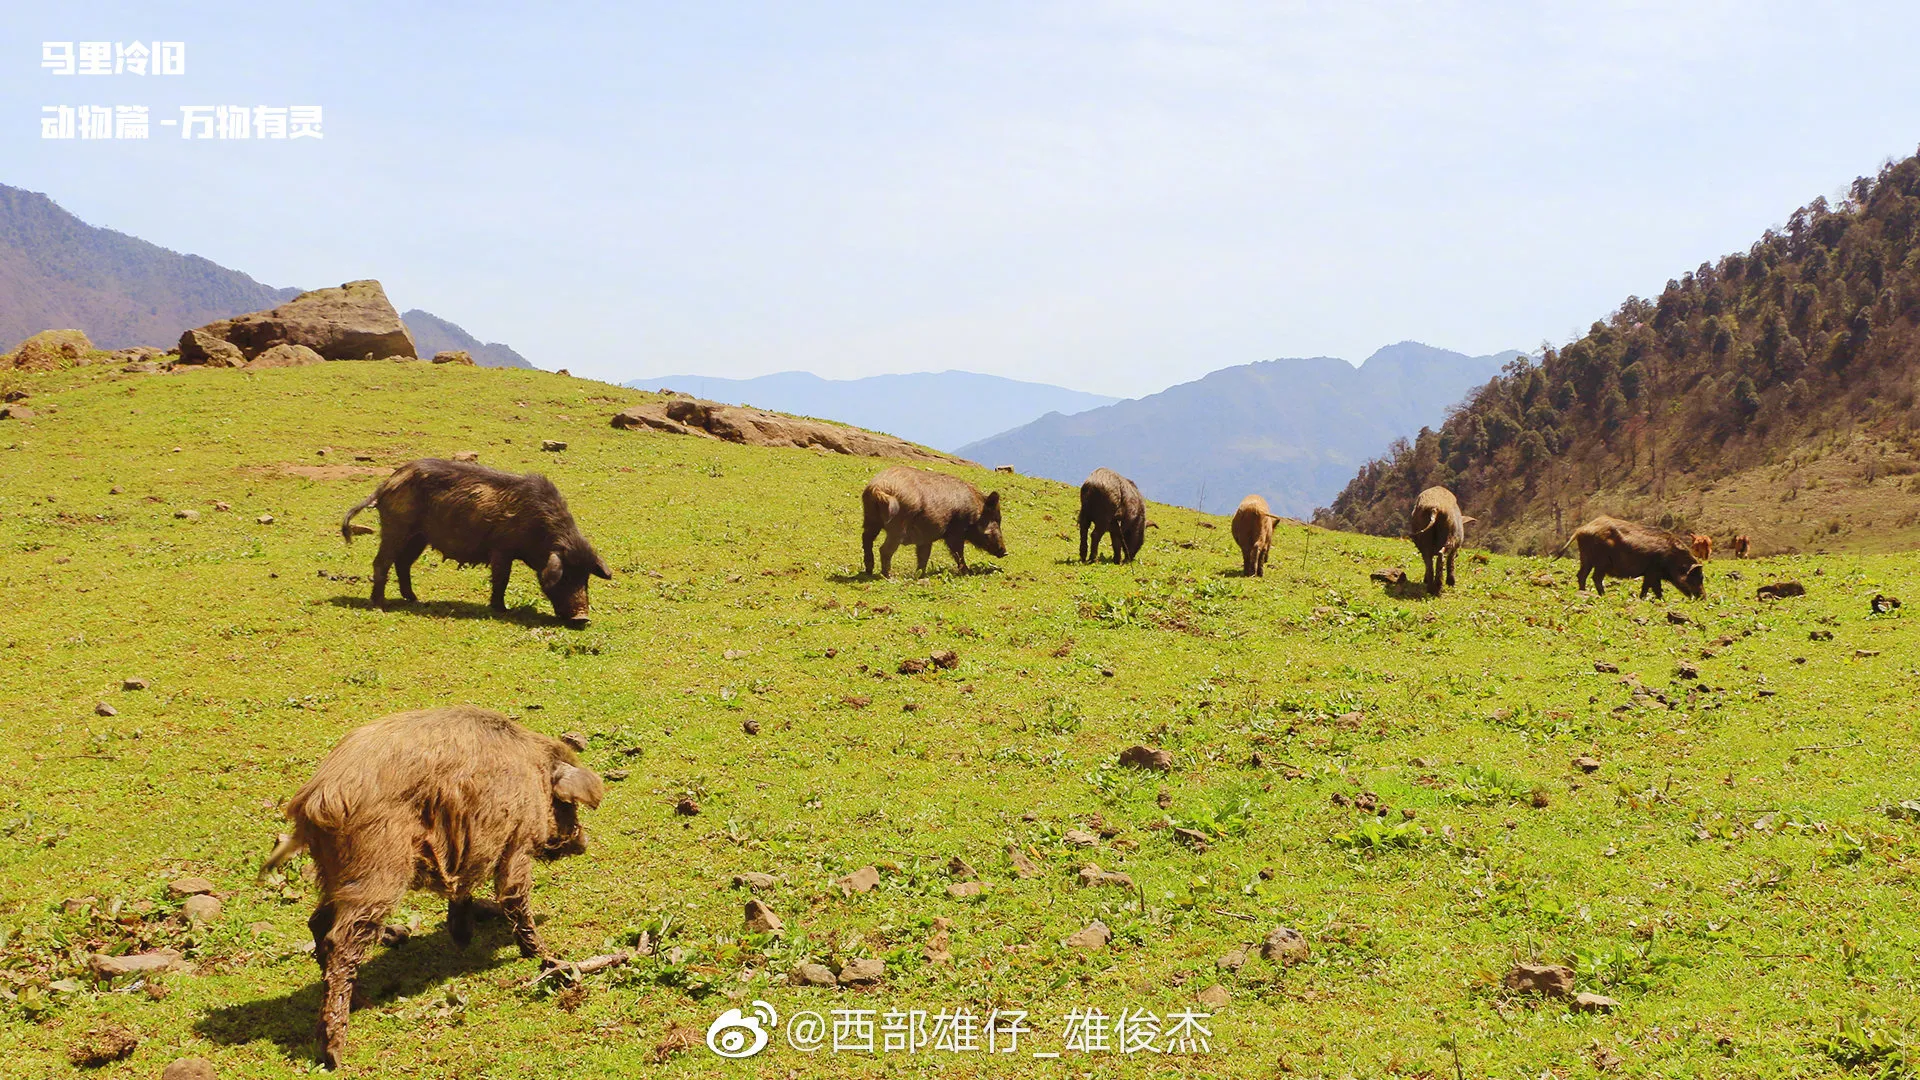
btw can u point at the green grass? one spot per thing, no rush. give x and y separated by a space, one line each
1728 874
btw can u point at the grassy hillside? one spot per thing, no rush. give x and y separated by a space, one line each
1790 364
1727 873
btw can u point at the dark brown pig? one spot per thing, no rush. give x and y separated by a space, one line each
474 515
1438 530
918 507
1253 531
1610 547
439 799
1111 503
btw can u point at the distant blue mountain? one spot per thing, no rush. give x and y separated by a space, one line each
943 410
1291 431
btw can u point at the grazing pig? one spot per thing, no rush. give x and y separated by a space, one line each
1741 547
1610 547
472 515
919 506
1438 530
1702 546
439 799
1110 503
1253 531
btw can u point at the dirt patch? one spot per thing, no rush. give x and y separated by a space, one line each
285 469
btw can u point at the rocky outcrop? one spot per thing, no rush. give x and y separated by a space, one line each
352 322
210 350
48 350
453 356
757 427
286 356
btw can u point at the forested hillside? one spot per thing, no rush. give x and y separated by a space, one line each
1770 393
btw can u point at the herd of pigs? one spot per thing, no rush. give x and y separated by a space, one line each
446 799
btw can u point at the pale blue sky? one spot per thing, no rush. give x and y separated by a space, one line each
1110 196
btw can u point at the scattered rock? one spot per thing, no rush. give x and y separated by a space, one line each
202 908
48 350
1880 604
453 356
111 967
1586 764
575 740
757 427
264 519
552 446
189 1069
16 411
750 726
1095 936
1540 799
1214 996
135 683
735 654
1023 867
1820 635
1550 980
814 975
856 701
1165 798
222 506
960 890
946 660
1079 838
101 708
1091 875
466 455
960 870
1606 667
103 1045
1284 945
1193 838
198 347
187 515
686 808
1686 670
1862 654
280 356
912 666
754 879
1780 590
614 776
1679 618
760 919
1233 961
1392 575
939 948
862 880
1585 1002
863 972
1543 580
1146 757
352 322
189 886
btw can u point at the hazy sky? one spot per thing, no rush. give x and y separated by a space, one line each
1111 196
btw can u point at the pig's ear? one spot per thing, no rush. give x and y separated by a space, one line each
551 573
1466 521
573 784
993 502
600 567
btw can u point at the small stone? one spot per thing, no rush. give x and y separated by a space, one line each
863 972
960 870
466 455
109 967
102 1046
754 879
1095 936
1268 873
735 654
222 507
1107 672
1606 667
189 1069
856 701
614 776
1193 838
1819 635
1233 961
1862 654
862 880
552 446
1551 980
201 908
939 948
1586 764
1585 1002
1146 757
114 490
946 661
912 666
1540 799
1023 867
813 975
264 519
750 726
1686 670
1164 799
686 808
189 886
1091 875
1214 996
135 683
1079 838
258 928
101 708
575 739
1284 945
187 515
961 890
760 919
1880 604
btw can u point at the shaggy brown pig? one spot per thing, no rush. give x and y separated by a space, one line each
1438 529
1253 531
439 799
918 507
473 515
1610 547
1111 503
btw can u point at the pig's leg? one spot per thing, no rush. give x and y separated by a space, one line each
403 566
923 552
512 886
460 920
382 561
1085 523
955 544
347 943
502 567
1450 553
321 923
887 547
1093 549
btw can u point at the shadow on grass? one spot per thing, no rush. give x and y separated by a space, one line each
910 575
402 970
525 615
